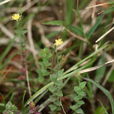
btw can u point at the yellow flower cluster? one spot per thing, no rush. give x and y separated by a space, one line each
16 17
58 42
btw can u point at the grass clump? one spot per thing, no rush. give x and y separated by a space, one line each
56 57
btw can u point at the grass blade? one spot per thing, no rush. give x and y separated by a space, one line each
106 92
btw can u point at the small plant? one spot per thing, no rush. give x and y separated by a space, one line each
56 91
10 109
50 50
44 64
77 97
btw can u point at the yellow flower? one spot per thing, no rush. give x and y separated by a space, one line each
16 16
58 42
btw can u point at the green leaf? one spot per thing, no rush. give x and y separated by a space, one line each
73 107
60 73
52 34
101 71
42 72
55 22
77 89
59 93
82 85
79 111
80 103
10 106
8 112
57 103
6 51
52 107
106 92
77 98
81 94
53 78
111 78
109 10
45 53
41 79
52 89
92 30
69 11
75 30
59 84
77 105
100 110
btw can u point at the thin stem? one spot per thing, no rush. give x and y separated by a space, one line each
28 83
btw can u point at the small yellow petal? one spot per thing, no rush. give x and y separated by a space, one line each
16 16
58 42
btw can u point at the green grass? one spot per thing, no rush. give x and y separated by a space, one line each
36 74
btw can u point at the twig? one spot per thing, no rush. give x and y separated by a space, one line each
4 2
62 107
6 31
110 30
110 71
28 6
45 41
96 67
98 5
28 84
11 36
77 36
29 27
3 40
43 105
108 75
